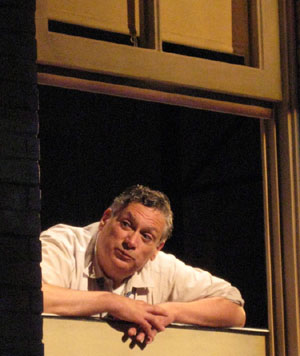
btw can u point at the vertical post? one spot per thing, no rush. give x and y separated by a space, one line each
285 203
20 295
273 239
289 173
150 24
240 28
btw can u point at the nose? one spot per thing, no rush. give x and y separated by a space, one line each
131 240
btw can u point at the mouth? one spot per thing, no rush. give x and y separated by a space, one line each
123 255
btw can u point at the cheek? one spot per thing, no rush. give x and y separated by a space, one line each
148 254
116 232
106 238
111 233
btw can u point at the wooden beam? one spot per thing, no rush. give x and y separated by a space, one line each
156 96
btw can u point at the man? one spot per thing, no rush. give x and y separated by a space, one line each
116 267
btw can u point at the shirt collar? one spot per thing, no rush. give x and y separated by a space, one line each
91 266
142 279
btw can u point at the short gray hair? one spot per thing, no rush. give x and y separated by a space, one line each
149 198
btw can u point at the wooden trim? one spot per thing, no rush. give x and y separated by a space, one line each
255 47
273 242
289 176
156 96
240 28
162 68
289 192
149 24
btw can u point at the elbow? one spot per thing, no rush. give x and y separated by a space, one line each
235 315
240 317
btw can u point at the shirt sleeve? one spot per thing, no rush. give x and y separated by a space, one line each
57 256
191 283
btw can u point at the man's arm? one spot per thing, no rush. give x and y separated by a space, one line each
212 312
200 298
68 302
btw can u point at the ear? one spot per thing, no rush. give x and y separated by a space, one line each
158 248
105 217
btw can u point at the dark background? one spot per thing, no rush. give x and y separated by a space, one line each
209 164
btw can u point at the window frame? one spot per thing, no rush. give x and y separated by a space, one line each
168 69
272 81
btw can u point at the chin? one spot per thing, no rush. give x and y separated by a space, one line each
122 267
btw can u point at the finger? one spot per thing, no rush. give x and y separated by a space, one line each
157 323
132 331
141 337
149 339
148 330
155 332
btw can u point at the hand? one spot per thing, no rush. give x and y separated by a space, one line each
149 319
164 320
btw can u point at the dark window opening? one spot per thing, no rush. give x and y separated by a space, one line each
124 39
203 53
87 32
209 164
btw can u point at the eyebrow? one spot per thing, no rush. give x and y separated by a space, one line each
150 228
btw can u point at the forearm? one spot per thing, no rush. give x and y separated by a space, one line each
212 312
68 302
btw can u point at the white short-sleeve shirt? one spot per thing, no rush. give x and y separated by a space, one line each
68 260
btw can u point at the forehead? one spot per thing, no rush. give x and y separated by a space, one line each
144 215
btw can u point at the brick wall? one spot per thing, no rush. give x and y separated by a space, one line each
20 296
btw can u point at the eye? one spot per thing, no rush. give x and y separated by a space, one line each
125 223
147 237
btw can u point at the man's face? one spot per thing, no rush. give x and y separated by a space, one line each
128 240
